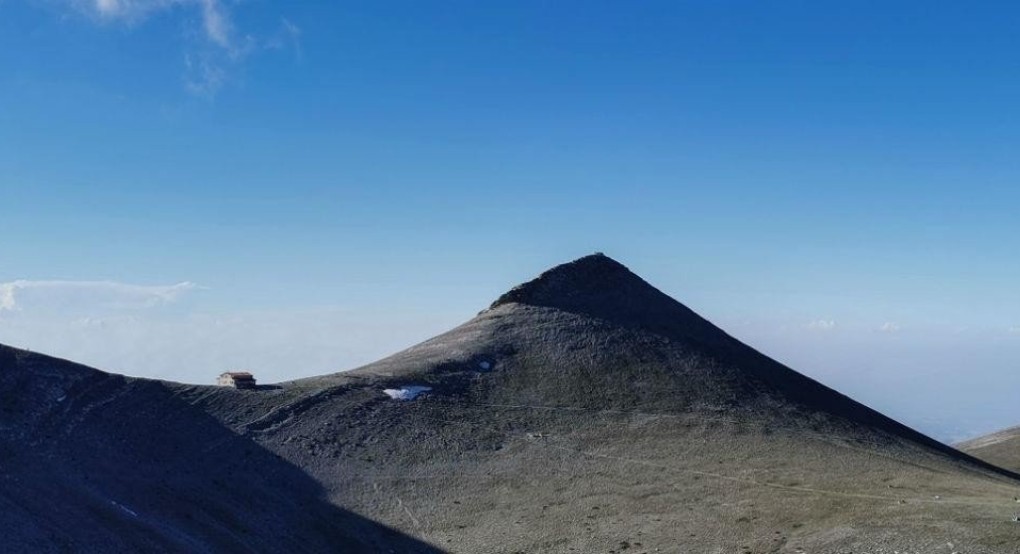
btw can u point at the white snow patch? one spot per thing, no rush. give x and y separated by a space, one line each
406 393
485 365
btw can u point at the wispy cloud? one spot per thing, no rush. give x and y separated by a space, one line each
217 25
203 75
85 296
889 327
287 36
822 325
216 47
1015 330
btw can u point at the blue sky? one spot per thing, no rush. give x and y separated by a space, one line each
300 187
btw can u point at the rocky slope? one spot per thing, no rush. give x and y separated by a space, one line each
1001 448
584 411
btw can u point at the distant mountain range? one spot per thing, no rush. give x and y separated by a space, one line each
584 411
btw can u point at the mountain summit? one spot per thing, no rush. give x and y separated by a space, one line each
583 411
593 279
599 286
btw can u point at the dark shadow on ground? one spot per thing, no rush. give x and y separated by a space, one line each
128 465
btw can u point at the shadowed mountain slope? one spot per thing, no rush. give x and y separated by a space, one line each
584 411
94 462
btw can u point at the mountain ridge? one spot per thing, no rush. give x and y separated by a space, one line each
599 287
585 420
1000 448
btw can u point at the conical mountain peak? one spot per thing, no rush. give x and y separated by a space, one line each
585 279
599 286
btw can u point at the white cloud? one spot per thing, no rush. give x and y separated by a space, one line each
1015 330
217 26
889 327
215 47
822 325
108 7
85 296
7 297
